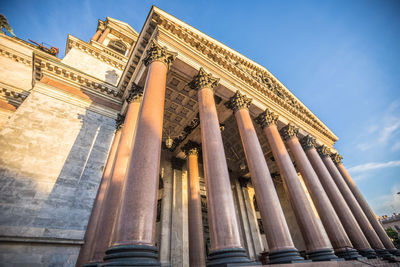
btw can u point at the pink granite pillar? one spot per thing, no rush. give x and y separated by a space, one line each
196 239
365 207
336 233
280 244
104 228
358 213
134 238
104 35
96 35
348 220
224 232
318 248
84 253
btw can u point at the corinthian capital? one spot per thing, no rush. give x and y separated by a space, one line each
160 53
324 151
308 142
336 158
119 122
289 131
238 101
135 93
266 118
191 148
203 79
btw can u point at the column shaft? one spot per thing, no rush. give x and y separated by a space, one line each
348 220
318 248
196 239
96 35
367 210
224 232
104 35
84 253
336 233
112 199
281 247
358 213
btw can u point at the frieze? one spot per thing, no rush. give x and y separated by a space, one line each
159 53
203 79
324 151
308 142
238 101
337 159
289 131
267 118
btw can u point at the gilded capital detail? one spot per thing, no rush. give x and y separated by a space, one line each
135 93
266 118
203 79
337 159
238 101
191 148
324 151
289 131
160 53
308 142
119 122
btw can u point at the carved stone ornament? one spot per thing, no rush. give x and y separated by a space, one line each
135 93
119 122
191 148
238 101
203 79
267 118
336 158
158 53
324 151
308 142
289 131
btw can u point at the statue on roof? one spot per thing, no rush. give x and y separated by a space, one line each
5 26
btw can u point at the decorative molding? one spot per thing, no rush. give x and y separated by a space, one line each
44 65
159 53
191 148
103 54
308 142
337 158
238 101
266 118
289 131
324 151
12 95
135 94
15 55
203 79
119 122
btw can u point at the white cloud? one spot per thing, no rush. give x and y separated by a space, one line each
373 165
387 204
389 130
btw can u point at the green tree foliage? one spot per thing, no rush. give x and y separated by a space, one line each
394 236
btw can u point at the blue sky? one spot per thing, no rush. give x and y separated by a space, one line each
341 58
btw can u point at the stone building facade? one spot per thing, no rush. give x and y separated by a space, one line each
167 148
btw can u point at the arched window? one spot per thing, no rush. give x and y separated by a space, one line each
118 46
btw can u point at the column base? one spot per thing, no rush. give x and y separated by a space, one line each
131 255
395 252
384 254
322 255
349 254
228 257
369 253
285 256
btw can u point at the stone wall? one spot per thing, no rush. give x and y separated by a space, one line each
51 161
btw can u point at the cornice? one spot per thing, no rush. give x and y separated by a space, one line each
11 94
45 66
15 55
102 53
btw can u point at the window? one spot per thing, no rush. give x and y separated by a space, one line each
118 46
